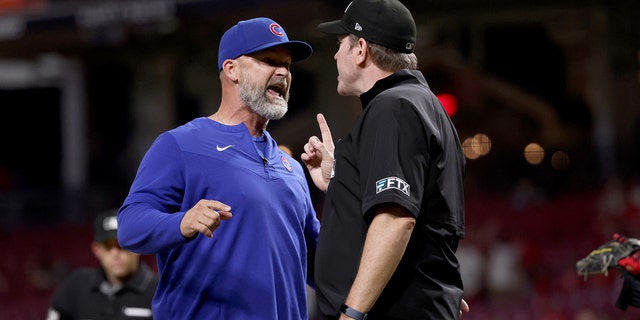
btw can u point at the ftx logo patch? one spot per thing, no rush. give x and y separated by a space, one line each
393 183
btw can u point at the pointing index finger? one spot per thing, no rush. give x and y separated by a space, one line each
327 140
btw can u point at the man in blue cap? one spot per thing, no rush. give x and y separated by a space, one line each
252 265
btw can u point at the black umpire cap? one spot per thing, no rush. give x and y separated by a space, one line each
385 22
105 226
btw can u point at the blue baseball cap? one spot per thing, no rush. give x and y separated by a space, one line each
257 34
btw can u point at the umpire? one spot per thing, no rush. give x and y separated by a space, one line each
121 288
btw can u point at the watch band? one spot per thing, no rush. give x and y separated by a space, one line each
353 313
333 169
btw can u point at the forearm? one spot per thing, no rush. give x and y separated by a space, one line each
386 242
147 231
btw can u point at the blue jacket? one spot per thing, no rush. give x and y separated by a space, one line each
255 265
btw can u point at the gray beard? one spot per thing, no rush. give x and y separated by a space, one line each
256 98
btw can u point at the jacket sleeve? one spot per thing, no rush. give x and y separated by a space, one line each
149 219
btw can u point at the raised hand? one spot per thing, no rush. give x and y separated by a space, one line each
318 155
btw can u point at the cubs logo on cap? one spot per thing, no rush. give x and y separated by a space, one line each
276 29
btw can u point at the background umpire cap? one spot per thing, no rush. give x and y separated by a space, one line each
257 34
385 22
105 226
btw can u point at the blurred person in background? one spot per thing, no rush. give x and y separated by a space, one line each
121 288
394 209
212 264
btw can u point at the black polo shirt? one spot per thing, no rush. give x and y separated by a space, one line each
403 149
82 295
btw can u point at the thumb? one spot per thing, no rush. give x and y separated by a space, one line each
225 215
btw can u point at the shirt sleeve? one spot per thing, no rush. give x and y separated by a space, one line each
311 231
60 303
393 156
67 296
149 219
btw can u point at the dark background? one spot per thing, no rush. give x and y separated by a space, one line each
85 87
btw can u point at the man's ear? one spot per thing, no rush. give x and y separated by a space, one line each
362 53
230 69
95 248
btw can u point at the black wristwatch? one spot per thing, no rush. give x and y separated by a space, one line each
353 313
